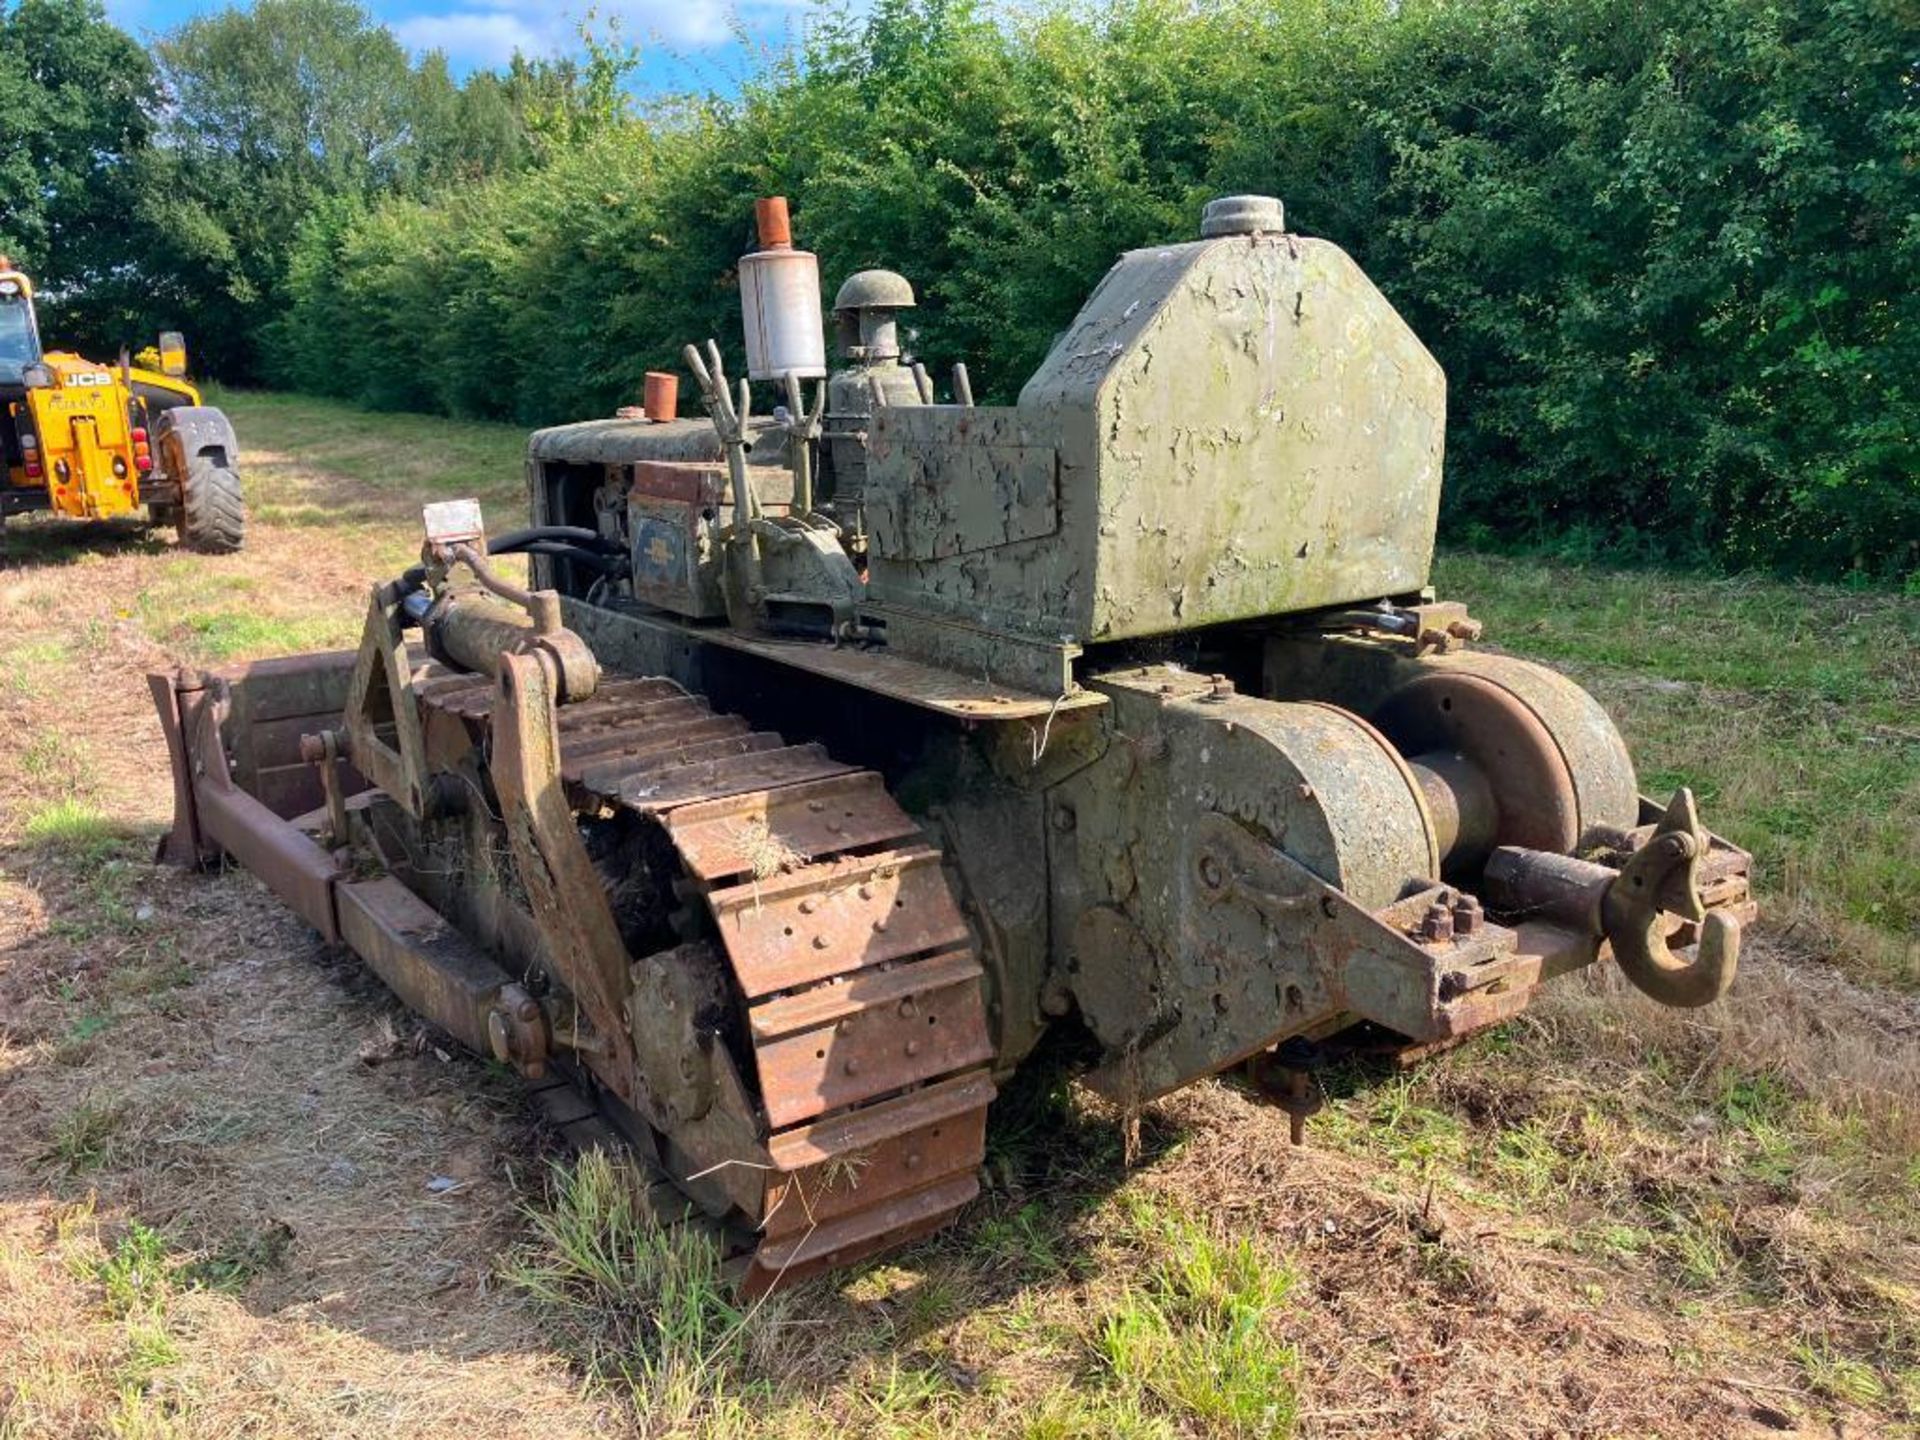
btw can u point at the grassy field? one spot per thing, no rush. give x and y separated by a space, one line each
242 1194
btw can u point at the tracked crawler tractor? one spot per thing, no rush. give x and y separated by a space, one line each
832 758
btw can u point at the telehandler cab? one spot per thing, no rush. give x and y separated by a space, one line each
95 441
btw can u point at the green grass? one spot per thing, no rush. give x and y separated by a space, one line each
1183 1331
134 1273
73 826
85 1136
637 1303
393 461
1199 1337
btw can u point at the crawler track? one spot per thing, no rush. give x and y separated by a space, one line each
852 989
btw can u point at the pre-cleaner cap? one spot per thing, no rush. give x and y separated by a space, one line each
1243 215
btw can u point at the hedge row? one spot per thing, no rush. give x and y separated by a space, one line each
1668 250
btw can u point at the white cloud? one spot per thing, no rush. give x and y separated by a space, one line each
486 38
489 36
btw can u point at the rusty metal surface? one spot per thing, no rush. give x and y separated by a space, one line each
877 1048
183 843
430 965
864 1064
864 1233
674 757
563 889
628 442
903 1159
1596 759
1499 736
856 1132
293 867
795 929
734 835
688 721
709 779
960 694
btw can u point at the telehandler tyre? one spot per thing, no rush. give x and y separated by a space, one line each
197 445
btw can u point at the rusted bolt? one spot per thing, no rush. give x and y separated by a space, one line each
1437 924
819 942
1306 791
881 923
809 905
1467 915
1166 687
1064 818
816 806
851 1067
1211 874
1219 687
913 1048
914 1161
313 749
907 1008
1465 629
866 892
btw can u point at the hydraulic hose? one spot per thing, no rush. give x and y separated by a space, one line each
515 540
559 542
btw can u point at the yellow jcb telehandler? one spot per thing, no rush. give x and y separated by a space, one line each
96 441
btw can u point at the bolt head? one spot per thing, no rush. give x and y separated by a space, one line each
1437 924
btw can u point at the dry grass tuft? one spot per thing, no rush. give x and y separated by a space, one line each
766 854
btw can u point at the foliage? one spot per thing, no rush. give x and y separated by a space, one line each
76 105
1666 251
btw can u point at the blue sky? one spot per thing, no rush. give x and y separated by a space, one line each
683 42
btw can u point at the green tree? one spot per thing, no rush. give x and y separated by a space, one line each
270 111
76 96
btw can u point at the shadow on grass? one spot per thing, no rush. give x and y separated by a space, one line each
48 540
